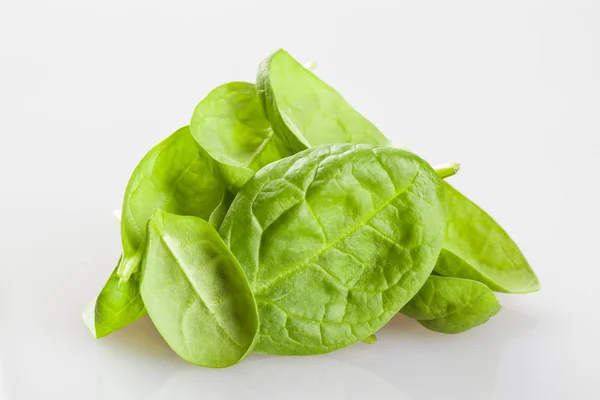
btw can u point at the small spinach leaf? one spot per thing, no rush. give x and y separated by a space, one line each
229 124
196 293
117 305
304 111
477 248
334 241
452 305
176 176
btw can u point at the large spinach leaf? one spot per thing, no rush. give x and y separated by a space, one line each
176 176
452 305
229 124
477 248
117 305
304 111
334 241
196 293
307 112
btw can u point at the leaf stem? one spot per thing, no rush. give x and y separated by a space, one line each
447 169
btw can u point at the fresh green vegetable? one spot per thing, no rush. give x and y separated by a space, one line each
307 112
477 248
304 111
176 176
452 305
116 306
196 293
334 241
229 124
316 250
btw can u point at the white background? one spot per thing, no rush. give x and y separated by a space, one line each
509 89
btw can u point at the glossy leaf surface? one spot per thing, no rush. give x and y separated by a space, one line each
452 305
477 248
196 293
117 305
304 111
230 125
334 241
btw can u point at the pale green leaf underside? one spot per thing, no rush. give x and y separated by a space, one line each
196 292
117 305
477 248
452 305
176 176
306 112
229 124
335 240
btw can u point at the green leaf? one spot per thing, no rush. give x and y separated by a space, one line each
304 111
334 241
176 176
117 305
307 112
477 248
196 293
218 215
229 124
452 305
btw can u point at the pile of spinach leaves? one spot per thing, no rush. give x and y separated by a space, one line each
281 221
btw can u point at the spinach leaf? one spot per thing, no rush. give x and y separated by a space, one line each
176 176
196 293
452 305
304 111
229 124
117 305
477 248
334 241
307 112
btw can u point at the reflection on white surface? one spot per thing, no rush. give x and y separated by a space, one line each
2 393
133 362
273 378
137 362
428 364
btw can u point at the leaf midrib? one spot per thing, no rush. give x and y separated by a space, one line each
358 225
260 148
197 291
